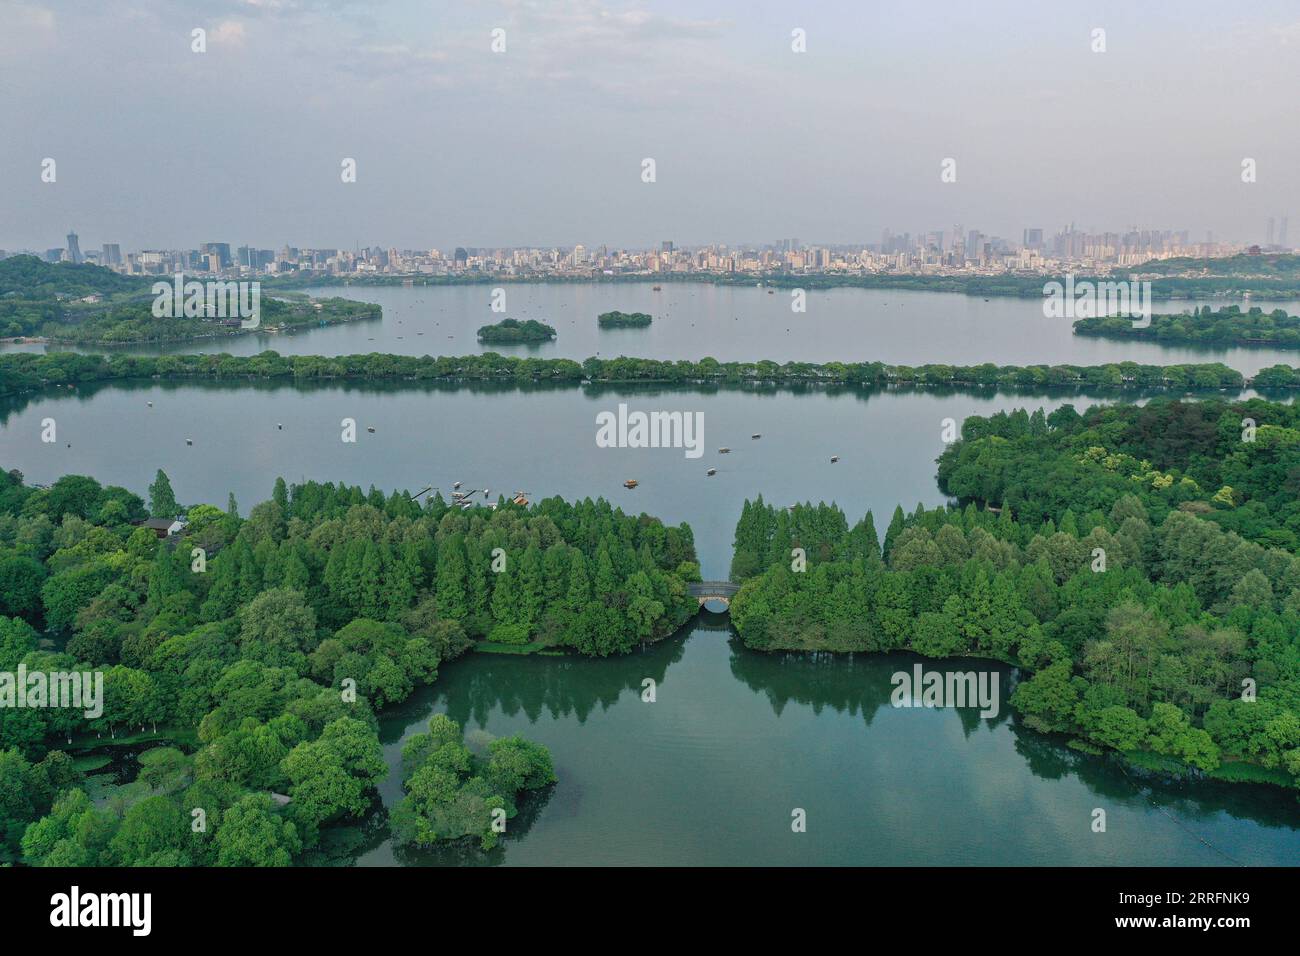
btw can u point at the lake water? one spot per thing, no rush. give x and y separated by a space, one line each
736 740
737 323
710 773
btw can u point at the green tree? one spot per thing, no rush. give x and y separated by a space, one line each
162 501
253 834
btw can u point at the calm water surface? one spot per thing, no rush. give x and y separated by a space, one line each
710 772
737 323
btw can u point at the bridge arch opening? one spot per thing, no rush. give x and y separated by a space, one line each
714 596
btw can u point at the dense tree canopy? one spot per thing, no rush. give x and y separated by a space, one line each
1203 326
26 372
262 647
512 331
1155 612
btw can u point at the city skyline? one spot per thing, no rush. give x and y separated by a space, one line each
1069 243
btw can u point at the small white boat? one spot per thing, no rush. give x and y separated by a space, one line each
834 459
711 472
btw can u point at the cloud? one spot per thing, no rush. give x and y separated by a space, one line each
229 33
395 61
29 16
26 25
628 56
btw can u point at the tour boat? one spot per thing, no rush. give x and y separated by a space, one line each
756 435
834 459
370 428
711 472
631 483
724 451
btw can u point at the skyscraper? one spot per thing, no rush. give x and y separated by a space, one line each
74 249
220 249
112 255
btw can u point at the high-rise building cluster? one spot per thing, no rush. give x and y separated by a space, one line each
953 251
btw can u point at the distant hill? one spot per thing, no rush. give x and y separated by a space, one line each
1277 266
28 277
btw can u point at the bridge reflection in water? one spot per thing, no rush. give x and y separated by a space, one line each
707 591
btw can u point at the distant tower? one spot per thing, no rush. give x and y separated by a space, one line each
1268 239
1281 233
74 250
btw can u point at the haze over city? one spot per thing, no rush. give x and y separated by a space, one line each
542 144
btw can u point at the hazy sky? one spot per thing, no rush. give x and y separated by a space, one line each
158 146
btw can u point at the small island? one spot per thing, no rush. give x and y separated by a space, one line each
623 320
1203 326
514 332
453 794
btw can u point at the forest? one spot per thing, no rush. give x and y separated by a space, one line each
24 372
37 296
1152 603
1235 464
253 653
40 299
28 277
134 323
1204 326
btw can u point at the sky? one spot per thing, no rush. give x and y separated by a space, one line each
157 146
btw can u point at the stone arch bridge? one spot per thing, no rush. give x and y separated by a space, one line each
706 591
